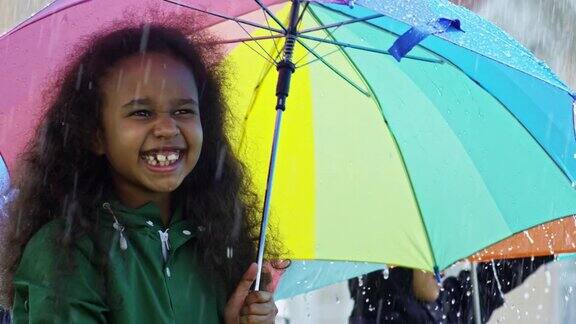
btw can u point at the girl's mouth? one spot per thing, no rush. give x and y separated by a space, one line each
165 158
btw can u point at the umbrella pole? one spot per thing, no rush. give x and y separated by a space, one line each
285 69
475 294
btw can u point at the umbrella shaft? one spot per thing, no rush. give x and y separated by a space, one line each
285 70
267 198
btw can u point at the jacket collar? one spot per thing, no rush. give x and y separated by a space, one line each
147 218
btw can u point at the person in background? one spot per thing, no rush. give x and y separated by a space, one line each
403 295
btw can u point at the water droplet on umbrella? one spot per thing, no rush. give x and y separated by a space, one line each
386 273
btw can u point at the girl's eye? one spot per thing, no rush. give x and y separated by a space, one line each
141 113
185 112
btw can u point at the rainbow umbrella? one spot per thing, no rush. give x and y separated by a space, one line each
415 132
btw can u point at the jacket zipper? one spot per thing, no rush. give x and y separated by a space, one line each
164 239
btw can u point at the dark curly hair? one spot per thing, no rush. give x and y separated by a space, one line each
62 178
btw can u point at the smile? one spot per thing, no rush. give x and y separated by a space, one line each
161 158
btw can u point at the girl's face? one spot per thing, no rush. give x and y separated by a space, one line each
151 121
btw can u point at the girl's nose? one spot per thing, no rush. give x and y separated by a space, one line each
165 126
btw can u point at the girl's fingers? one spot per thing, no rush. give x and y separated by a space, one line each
237 298
259 309
258 297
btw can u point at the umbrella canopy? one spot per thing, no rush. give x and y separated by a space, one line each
419 162
465 141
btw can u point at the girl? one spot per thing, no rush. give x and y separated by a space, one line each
131 205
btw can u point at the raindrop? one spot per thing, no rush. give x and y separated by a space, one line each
386 273
529 237
120 79
144 39
548 277
79 77
526 295
337 300
229 252
496 279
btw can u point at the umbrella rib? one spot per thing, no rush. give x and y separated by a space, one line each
268 24
246 39
341 23
302 13
238 20
334 69
368 49
255 40
315 46
315 60
271 15
267 59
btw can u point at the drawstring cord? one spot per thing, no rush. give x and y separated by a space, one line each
164 238
117 226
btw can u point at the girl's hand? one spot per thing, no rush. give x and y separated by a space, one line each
250 307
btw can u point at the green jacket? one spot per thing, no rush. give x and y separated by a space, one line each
150 277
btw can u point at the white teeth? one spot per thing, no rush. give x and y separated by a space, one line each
161 159
173 157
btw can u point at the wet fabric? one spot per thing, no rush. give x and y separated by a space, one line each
137 285
380 300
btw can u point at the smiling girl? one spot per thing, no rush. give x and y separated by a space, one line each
132 207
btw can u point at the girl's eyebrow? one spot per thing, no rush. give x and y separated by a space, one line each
185 101
148 102
138 101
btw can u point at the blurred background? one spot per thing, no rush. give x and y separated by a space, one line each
545 27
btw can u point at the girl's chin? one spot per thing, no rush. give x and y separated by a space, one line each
165 188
